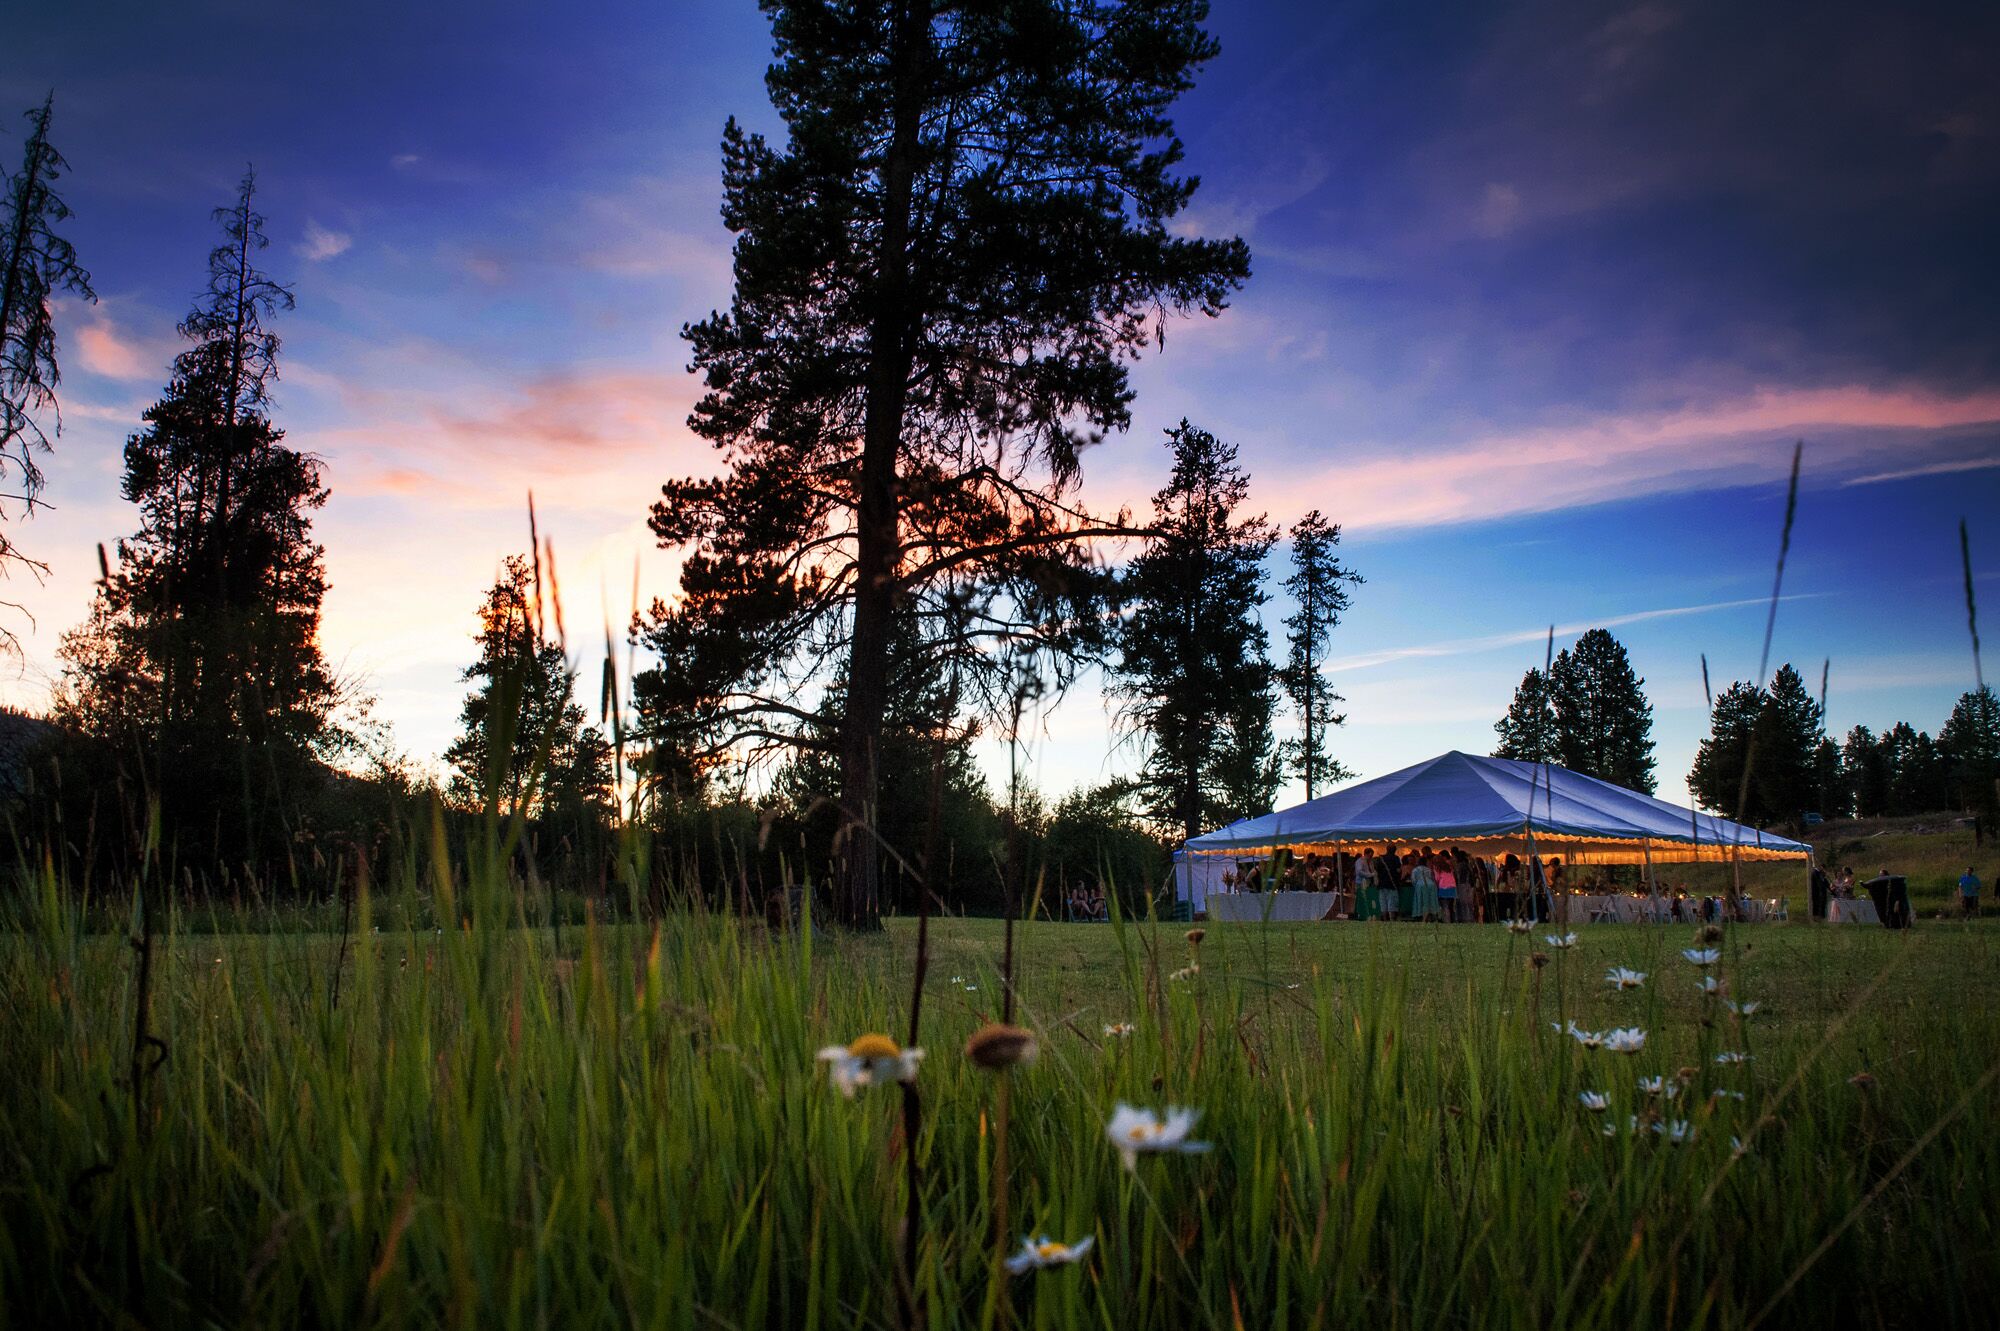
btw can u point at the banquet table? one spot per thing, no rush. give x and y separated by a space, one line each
1250 907
1859 910
1625 908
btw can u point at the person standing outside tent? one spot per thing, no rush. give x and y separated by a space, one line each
1968 894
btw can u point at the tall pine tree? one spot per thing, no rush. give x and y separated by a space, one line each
1970 742
203 655
1194 663
1318 585
36 265
1863 773
1604 725
941 276
1776 735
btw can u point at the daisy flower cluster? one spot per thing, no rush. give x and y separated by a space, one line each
1618 1040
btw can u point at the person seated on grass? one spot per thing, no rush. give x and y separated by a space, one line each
1968 894
1073 902
1094 904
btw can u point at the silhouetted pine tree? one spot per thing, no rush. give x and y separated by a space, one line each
1777 732
1528 731
1318 584
941 274
36 265
1604 725
1970 743
203 655
1194 661
524 742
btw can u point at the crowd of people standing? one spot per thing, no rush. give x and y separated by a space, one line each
1448 885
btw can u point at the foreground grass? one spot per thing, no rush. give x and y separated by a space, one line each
485 1128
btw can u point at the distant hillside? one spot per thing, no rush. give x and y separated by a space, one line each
1931 850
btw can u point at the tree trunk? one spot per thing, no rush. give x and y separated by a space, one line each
876 536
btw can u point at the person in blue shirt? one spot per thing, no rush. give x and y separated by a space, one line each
1968 893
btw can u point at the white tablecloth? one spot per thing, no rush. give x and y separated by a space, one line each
1254 906
1628 909
1858 911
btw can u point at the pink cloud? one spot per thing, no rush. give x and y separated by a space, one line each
1623 456
103 347
564 415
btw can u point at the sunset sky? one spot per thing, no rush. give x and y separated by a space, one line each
1543 295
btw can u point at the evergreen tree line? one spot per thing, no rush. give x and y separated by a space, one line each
1794 768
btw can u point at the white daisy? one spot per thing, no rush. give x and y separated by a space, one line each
1187 972
871 1060
1520 926
1741 1009
1136 1131
1588 1039
1042 1251
1731 1057
1660 1086
1596 1101
1625 1040
1560 942
1678 1131
1738 1148
1710 985
1620 978
1724 1093
1701 956
1118 1030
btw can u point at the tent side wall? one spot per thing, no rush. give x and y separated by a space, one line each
1195 876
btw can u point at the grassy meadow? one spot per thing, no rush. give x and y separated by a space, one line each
492 1125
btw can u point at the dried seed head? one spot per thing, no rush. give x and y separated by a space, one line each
1194 936
1862 1081
1539 960
996 1047
1710 933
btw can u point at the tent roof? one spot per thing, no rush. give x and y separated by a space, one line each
1462 797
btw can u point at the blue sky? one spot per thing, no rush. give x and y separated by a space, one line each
1543 295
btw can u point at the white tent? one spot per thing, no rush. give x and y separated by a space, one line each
1491 806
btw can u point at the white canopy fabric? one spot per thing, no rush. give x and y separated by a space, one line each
1490 805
